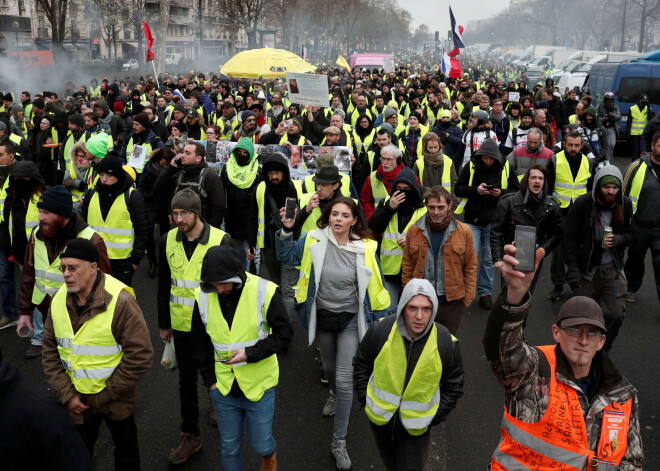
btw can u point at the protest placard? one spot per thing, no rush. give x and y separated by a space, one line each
308 89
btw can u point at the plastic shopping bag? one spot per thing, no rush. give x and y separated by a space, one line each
169 358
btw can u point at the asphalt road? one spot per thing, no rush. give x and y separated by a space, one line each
464 442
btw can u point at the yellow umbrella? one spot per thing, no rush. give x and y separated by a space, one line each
341 62
265 63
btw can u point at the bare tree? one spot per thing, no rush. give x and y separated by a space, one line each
163 21
56 15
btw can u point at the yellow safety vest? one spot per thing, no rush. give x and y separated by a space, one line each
95 91
419 401
3 197
637 184
391 253
261 210
17 144
89 174
117 229
504 183
129 151
356 114
446 171
378 295
91 355
639 119
301 140
310 223
378 189
248 327
310 186
70 141
566 190
185 275
363 146
47 276
31 218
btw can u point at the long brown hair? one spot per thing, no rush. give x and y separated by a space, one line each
360 228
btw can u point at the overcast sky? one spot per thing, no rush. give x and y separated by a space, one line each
435 13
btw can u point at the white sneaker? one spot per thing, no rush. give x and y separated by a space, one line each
341 455
329 407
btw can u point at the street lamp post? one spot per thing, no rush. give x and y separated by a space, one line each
15 25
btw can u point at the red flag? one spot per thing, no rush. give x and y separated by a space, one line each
150 41
456 69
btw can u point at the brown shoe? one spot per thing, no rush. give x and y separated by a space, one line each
269 464
190 444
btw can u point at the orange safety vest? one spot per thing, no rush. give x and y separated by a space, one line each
559 440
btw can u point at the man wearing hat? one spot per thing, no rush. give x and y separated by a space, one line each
77 133
451 137
184 248
329 185
115 210
595 260
142 135
518 136
258 109
96 349
566 405
178 113
293 133
239 327
40 277
226 118
248 128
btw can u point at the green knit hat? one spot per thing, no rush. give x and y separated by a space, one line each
97 145
607 179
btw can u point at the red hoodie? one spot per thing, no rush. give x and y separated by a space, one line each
367 197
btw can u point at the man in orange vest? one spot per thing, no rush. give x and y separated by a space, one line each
566 405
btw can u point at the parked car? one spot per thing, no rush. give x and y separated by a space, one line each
132 64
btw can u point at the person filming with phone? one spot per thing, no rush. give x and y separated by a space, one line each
566 405
530 206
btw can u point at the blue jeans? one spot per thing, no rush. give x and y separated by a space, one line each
481 240
393 287
230 412
241 246
7 287
38 324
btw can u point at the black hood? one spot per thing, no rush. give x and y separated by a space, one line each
221 265
406 175
488 147
27 169
275 162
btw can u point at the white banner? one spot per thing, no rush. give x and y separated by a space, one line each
308 89
514 96
388 65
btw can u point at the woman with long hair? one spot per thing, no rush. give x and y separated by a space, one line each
340 292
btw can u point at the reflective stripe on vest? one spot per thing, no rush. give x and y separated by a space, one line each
559 439
310 186
47 276
363 145
378 295
566 190
419 401
185 275
637 184
117 229
91 355
3 198
391 253
31 218
446 172
248 327
639 119
378 189
503 185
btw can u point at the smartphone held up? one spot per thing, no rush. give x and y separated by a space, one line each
525 248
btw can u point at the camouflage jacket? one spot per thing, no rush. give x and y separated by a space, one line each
524 372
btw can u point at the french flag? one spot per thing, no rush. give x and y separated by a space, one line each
451 66
458 33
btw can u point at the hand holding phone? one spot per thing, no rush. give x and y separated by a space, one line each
525 248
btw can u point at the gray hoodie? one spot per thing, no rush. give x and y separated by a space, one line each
413 288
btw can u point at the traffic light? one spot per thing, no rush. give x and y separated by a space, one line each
437 36
606 46
449 35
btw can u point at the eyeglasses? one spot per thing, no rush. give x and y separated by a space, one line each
210 133
71 268
578 333
385 159
181 214
250 120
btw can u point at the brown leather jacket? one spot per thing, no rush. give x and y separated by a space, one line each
119 398
54 247
460 260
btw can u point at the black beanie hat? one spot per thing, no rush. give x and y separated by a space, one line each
83 249
57 200
181 127
527 112
77 119
111 166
